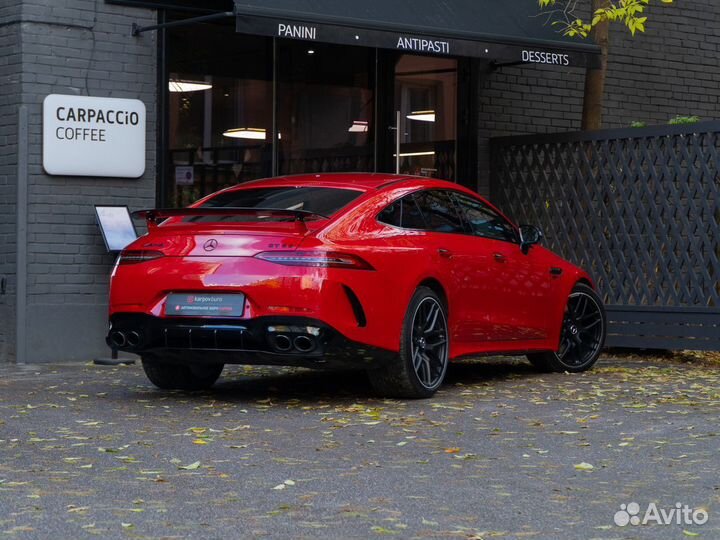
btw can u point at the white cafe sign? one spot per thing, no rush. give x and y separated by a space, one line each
91 136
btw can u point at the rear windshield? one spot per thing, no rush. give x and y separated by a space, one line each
318 200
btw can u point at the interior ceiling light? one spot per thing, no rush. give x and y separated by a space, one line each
422 116
414 154
176 85
358 126
245 133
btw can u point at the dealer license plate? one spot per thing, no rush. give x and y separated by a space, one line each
205 305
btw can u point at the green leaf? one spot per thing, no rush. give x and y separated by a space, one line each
190 467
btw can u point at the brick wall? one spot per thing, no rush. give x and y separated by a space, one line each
10 69
673 68
80 47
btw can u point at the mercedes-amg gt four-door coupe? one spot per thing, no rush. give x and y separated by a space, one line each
391 274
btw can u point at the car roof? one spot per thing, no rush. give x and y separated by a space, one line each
361 181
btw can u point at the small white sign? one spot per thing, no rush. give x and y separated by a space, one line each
117 227
91 136
184 175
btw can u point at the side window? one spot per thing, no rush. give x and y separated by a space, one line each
412 216
440 212
484 221
392 215
403 213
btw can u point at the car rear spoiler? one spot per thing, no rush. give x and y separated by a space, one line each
156 215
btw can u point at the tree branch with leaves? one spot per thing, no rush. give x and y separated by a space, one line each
563 14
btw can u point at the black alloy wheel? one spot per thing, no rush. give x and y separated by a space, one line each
582 336
428 342
422 363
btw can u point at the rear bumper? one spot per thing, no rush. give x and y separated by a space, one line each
287 341
353 302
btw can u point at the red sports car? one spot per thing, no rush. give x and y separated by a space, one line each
394 275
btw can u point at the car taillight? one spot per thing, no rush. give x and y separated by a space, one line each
134 256
319 259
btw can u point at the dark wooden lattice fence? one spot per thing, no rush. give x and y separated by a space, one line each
638 208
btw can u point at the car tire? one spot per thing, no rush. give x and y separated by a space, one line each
420 367
582 336
181 376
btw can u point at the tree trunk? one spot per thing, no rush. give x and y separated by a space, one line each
595 78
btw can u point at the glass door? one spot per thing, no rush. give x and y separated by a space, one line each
425 105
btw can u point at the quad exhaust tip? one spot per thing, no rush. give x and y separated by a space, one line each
293 339
282 343
304 344
120 338
133 338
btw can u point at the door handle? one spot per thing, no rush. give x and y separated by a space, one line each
555 271
446 253
499 257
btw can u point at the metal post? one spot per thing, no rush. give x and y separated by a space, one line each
376 117
275 143
398 127
136 29
22 220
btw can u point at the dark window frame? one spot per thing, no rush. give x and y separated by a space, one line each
469 71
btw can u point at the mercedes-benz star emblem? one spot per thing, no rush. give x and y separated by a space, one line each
210 244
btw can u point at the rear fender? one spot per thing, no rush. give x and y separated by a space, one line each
557 314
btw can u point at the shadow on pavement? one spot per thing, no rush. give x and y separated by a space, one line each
247 384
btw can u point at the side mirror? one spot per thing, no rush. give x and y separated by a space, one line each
529 236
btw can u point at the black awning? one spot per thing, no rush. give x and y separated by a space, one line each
504 31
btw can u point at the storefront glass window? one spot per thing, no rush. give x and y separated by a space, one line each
241 107
325 108
220 111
